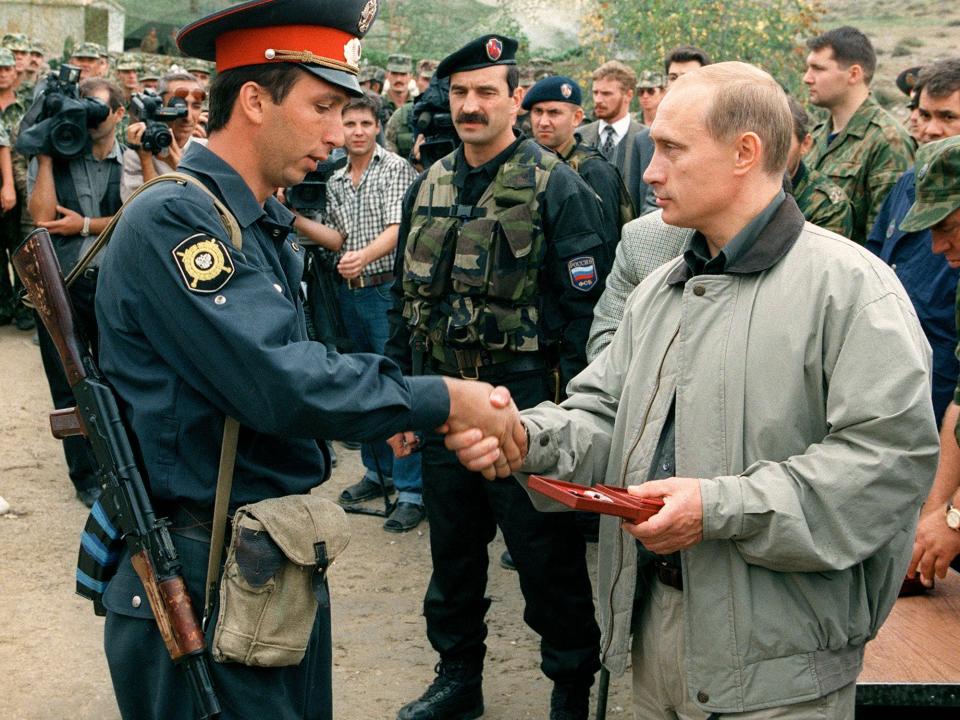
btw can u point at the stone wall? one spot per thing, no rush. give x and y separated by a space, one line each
54 21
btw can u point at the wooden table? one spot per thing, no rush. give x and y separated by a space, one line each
915 659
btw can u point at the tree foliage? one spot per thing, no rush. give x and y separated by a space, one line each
768 33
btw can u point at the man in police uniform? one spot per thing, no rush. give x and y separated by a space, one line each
194 328
499 265
555 112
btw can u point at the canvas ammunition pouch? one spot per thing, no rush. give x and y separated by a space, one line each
275 579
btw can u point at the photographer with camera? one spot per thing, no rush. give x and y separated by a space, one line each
74 199
167 122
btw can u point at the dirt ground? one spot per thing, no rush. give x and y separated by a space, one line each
51 657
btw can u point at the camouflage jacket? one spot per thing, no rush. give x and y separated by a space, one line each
10 117
865 160
822 202
604 179
398 133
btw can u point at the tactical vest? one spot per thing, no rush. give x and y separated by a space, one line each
405 131
471 276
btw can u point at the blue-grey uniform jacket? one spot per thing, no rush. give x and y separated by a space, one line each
192 329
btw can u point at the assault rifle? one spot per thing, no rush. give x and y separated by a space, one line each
97 417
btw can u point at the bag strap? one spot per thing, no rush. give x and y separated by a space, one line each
226 217
228 455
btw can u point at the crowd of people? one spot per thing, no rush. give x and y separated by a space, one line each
711 299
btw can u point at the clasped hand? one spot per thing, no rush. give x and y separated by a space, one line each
484 429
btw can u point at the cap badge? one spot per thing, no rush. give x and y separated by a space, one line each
566 90
923 171
494 49
351 52
367 15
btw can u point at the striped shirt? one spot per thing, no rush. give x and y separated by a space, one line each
363 212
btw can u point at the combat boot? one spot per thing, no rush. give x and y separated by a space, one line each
455 694
570 701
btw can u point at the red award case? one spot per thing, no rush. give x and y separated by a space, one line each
599 498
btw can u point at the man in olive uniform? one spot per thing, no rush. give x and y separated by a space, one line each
937 210
37 64
861 147
499 265
88 56
198 323
19 45
127 69
397 95
399 133
650 89
150 77
555 112
13 106
820 200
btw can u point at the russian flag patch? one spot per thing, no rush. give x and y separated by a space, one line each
583 273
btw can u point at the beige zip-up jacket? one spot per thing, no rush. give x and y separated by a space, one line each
802 385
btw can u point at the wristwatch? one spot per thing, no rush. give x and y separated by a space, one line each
953 517
85 232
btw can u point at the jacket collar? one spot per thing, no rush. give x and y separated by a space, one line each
232 189
773 242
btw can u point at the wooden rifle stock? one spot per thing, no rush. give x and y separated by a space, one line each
39 271
66 423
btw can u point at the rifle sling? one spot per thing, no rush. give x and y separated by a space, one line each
226 217
228 455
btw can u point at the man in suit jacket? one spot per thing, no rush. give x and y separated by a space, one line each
615 129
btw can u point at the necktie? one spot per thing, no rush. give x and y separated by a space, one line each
607 147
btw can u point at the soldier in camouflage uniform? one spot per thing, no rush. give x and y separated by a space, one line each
150 77
499 266
19 45
555 112
38 64
861 147
128 67
201 70
13 106
820 200
400 133
88 56
397 95
937 209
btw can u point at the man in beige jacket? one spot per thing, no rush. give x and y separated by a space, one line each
771 386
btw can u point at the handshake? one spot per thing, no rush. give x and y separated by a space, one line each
484 429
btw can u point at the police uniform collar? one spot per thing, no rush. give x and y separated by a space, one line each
232 189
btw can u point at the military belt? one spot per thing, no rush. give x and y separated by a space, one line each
463 212
365 281
189 520
470 369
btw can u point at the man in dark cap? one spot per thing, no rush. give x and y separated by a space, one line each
200 323
500 262
555 114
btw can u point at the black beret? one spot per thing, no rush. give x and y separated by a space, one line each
322 36
485 51
557 87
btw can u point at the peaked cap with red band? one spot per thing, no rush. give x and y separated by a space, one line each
322 36
483 52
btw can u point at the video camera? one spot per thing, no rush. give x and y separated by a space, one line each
57 122
311 194
148 107
431 114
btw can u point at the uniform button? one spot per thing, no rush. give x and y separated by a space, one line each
665 466
544 441
278 287
894 267
220 300
702 697
275 233
136 601
699 290
296 248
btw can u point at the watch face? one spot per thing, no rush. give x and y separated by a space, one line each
953 518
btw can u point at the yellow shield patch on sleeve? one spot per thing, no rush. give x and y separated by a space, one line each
204 263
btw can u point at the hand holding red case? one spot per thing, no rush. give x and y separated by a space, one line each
599 498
